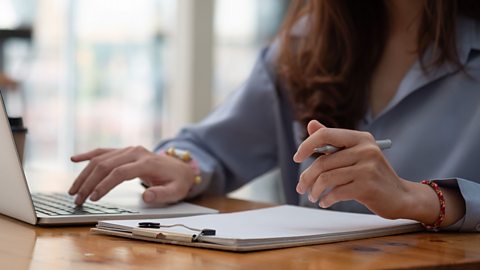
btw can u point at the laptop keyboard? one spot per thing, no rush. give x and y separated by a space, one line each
56 204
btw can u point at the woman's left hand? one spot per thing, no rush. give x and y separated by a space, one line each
358 172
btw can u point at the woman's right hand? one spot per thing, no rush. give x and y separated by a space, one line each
169 179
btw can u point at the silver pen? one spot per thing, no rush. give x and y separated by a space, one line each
330 149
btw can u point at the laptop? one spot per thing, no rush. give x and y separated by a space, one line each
18 202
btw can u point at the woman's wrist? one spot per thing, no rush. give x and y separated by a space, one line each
187 159
421 203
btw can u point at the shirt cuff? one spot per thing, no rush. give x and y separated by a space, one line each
470 191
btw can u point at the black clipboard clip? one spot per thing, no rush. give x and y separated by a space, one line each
157 225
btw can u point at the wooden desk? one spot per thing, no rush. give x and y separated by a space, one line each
23 246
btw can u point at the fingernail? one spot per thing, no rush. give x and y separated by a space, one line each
299 189
148 196
94 196
79 200
311 199
322 204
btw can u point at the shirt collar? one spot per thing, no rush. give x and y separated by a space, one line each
468 39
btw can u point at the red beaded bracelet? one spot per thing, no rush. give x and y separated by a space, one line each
441 217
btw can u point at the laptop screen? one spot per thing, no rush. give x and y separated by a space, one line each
15 200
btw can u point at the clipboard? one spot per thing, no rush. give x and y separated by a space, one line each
269 228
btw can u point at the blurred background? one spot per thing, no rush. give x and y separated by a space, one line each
114 73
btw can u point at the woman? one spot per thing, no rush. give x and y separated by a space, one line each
340 73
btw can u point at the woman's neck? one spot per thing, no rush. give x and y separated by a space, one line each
404 16
400 51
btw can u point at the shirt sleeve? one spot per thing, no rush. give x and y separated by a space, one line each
469 190
236 142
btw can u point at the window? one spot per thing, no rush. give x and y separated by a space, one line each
98 73
94 76
242 28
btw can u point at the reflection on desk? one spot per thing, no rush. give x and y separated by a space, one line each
23 246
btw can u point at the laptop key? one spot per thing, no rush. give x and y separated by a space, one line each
45 212
62 204
50 209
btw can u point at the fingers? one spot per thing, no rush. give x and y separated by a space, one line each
110 167
341 138
89 168
313 126
339 193
359 171
80 179
116 176
330 180
168 193
100 169
149 167
91 154
324 164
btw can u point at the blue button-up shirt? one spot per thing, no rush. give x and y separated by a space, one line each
433 121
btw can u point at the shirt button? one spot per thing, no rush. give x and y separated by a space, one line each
477 227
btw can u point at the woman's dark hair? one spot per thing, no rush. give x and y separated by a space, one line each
328 70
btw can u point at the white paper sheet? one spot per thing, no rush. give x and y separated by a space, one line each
274 224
